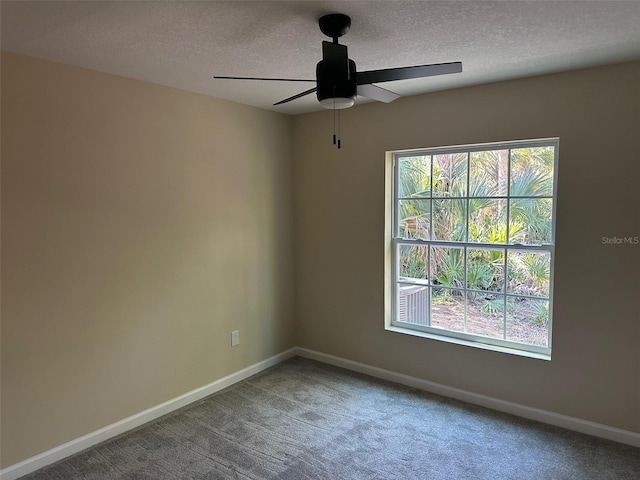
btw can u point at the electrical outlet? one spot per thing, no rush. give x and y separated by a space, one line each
235 338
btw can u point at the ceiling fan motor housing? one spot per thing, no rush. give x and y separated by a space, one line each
335 84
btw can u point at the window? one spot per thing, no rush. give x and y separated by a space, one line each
471 244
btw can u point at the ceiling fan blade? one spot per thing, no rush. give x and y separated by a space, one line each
335 58
260 78
403 73
375 92
306 92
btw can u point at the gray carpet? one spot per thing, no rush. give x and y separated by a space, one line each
306 420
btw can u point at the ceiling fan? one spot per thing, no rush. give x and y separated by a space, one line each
338 83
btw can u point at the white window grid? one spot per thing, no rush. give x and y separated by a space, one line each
505 248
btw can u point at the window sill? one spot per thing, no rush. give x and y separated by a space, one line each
467 343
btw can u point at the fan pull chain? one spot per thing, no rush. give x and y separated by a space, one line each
336 113
334 116
339 130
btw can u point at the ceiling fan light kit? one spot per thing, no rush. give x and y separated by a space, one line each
337 103
338 82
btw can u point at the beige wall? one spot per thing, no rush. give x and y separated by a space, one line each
339 230
141 225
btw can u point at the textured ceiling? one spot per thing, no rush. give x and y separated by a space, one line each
184 44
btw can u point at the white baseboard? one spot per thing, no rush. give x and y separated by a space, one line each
544 416
79 444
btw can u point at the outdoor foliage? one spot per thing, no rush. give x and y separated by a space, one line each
508 198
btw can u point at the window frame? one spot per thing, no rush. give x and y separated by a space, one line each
393 241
